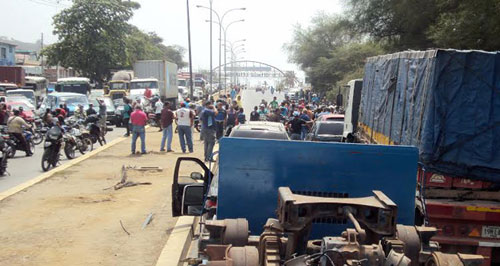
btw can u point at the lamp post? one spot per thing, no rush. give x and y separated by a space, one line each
190 56
225 45
221 19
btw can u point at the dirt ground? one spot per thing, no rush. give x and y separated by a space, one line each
72 219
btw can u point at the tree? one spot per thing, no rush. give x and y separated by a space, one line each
468 25
92 35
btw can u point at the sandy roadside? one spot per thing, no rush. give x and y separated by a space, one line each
70 219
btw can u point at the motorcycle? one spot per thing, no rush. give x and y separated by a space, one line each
79 137
39 131
197 124
94 130
3 160
152 120
15 144
52 146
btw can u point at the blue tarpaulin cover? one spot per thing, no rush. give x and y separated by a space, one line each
445 102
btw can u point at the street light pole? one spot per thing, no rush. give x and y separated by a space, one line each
190 55
211 67
225 55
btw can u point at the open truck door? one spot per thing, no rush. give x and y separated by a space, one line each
188 191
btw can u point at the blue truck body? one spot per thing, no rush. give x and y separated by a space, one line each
445 102
257 168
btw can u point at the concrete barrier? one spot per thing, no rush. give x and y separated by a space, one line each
178 242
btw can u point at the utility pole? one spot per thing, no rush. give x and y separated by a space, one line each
41 56
190 56
211 67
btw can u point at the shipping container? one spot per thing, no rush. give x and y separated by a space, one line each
12 74
165 72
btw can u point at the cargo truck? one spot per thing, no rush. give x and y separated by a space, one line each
447 104
306 203
159 76
12 74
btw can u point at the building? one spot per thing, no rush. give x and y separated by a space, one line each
7 54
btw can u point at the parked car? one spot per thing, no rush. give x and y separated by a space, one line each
72 100
110 108
260 130
27 110
326 131
332 117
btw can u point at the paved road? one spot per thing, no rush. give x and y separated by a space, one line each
251 98
22 169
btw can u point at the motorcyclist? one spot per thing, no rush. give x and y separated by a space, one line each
80 113
15 126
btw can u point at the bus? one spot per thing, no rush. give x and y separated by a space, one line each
76 85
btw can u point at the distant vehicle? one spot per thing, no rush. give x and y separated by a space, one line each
27 110
332 117
4 87
72 100
38 85
75 85
163 72
326 131
20 98
13 75
138 86
29 94
260 130
120 81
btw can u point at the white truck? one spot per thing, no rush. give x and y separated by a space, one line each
159 76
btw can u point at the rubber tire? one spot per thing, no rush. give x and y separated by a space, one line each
89 145
12 152
3 165
32 146
45 158
37 138
69 150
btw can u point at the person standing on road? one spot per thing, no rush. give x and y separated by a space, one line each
296 126
220 120
167 117
305 127
91 110
254 115
274 104
138 120
241 117
102 117
127 110
185 120
208 130
15 126
158 110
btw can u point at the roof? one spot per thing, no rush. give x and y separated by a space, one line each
60 94
8 84
143 80
8 43
72 79
19 90
332 117
35 78
262 125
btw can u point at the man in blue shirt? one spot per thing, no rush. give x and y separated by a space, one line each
305 127
220 120
207 118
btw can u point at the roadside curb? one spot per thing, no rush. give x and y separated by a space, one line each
178 242
47 175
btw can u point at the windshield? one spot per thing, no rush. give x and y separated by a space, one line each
331 129
27 94
73 100
23 105
182 83
77 88
144 85
118 86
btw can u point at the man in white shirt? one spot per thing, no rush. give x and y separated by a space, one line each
158 108
185 120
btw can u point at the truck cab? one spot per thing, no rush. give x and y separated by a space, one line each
75 85
138 86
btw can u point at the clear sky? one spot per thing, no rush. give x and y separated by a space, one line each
268 24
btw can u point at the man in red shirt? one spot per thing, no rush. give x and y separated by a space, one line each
148 93
138 120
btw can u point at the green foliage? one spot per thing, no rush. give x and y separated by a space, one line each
92 37
468 25
95 37
330 51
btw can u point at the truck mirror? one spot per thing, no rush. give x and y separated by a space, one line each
192 200
196 176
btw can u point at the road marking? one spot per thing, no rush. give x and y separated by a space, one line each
44 176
